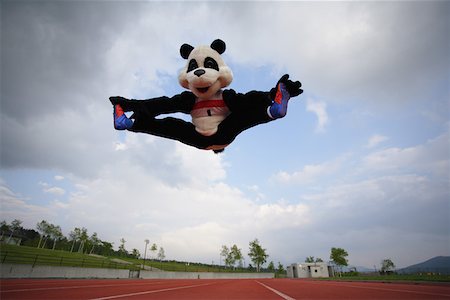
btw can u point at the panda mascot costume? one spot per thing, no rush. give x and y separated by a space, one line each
218 115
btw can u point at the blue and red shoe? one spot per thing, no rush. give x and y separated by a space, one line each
278 109
121 122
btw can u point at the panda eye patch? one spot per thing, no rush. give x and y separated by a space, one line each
211 63
192 65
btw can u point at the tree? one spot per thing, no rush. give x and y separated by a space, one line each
311 259
154 248
161 254
231 255
122 249
4 227
257 254
74 236
43 228
15 226
280 268
271 267
95 241
224 252
106 248
236 253
338 257
387 266
83 239
55 234
135 253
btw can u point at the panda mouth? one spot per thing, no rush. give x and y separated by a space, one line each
203 89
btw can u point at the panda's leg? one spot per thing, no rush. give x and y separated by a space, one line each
172 128
237 122
156 106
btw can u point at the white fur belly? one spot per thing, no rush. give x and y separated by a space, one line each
207 125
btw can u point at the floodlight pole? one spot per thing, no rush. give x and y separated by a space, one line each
145 252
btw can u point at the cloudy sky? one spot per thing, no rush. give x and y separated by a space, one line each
360 162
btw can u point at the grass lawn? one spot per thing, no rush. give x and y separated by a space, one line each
35 256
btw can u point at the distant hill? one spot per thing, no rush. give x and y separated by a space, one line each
438 264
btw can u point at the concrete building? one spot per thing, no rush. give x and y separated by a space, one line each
309 270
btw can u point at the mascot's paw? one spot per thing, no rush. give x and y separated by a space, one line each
293 87
121 122
278 109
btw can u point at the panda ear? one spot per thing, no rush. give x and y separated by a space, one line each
219 46
185 50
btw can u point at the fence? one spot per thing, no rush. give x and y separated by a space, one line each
51 260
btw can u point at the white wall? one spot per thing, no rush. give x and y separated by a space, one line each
28 271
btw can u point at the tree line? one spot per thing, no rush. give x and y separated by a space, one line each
258 255
50 236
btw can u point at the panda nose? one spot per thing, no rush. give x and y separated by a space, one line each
199 72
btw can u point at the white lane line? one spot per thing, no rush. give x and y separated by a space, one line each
284 296
76 287
151 292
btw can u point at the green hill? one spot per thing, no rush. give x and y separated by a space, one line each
438 264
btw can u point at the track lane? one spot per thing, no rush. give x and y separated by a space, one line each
88 289
261 289
316 289
235 289
136 289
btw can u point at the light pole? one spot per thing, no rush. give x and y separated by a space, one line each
145 252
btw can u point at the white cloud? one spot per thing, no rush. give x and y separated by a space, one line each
191 213
43 184
120 146
401 190
319 108
283 216
47 188
57 191
375 140
431 157
311 173
13 206
190 221
58 177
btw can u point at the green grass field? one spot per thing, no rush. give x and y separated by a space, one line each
35 256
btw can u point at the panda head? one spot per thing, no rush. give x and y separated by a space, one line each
205 72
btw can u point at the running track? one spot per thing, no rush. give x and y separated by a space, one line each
260 289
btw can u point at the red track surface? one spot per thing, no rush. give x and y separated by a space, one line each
215 289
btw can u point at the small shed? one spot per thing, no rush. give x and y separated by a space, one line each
309 270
